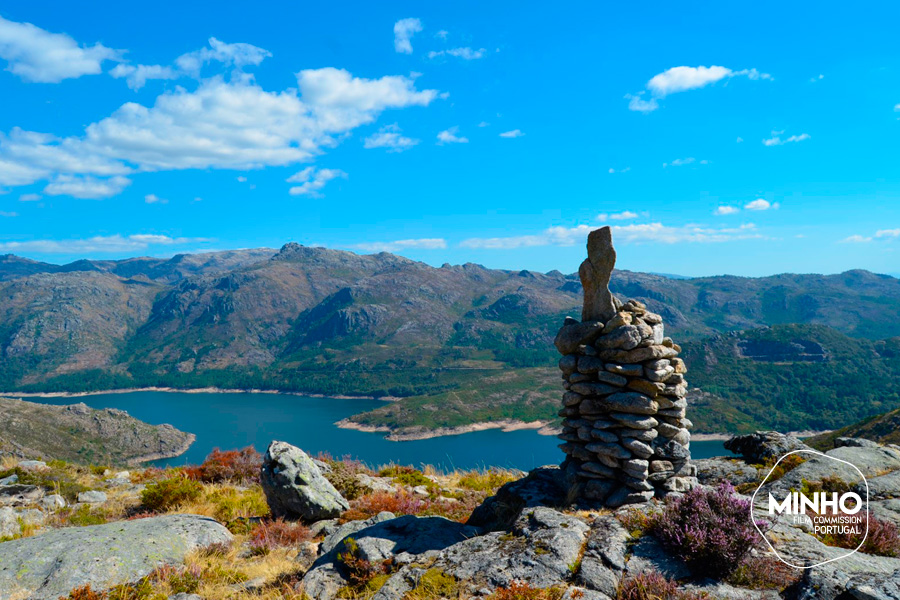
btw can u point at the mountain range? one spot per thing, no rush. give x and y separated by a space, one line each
472 341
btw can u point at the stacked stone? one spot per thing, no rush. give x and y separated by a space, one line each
625 429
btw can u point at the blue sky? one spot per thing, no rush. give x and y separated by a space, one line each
724 138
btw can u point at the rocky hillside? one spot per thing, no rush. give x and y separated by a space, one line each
332 322
289 527
84 435
883 429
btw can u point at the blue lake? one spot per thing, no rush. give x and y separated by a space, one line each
230 421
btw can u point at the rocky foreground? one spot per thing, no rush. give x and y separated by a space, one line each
292 527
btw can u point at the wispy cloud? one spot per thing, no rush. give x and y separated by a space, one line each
98 244
512 134
625 170
154 199
882 234
37 55
5 213
465 53
620 216
29 197
727 210
448 136
400 245
761 204
634 233
680 162
86 187
389 137
404 29
682 79
776 139
312 180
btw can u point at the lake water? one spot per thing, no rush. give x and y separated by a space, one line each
230 421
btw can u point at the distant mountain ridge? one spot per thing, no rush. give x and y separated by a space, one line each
334 322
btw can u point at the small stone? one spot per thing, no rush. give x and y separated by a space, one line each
636 467
589 364
587 350
677 413
683 437
33 465
625 495
635 306
658 466
637 355
651 389
604 424
626 370
568 364
11 480
631 402
599 469
634 421
625 337
621 319
674 379
604 436
643 435
665 402
574 334
652 318
52 503
637 483
572 399
660 374
638 448
593 389
659 477
584 434
609 450
687 423
658 333
576 450
668 431
20 495
92 497
579 378
679 391
611 378
599 489
673 451
609 461
569 411
679 484
679 365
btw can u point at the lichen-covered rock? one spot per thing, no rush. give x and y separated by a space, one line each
19 495
604 556
544 486
764 445
294 486
47 566
712 471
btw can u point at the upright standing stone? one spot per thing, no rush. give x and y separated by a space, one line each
625 431
595 272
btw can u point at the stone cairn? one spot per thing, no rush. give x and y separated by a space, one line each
625 432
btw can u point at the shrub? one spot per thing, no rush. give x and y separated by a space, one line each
230 504
519 590
883 539
169 493
487 481
83 516
56 481
708 529
84 593
269 535
179 579
763 573
407 476
831 483
343 476
237 466
399 503
434 583
360 572
652 585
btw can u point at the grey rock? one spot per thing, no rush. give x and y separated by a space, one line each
671 450
611 378
883 487
294 486
712 471
11 480
49 565
9 523
19 495
92 497
763 445
376 484
574 334
589 364
594 273
592 389
186 596
634 421
638 448
351 527
33 465
872 462
626 370
625 337
638 355
643 435
604 436
544 486
631 402
568 364
572 399
611 450
326 527
604 556
649 555
843 442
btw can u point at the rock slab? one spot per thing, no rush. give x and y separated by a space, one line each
295 487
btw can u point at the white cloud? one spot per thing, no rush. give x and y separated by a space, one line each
888 233
86 187
241 179
442 34
237 55
136 76
776 140
740 139
680 162
856 239
727 210
463 53
99 244
40 56
4 213
815 79
634 233
682 79
512 134
881 234
620 216
625 170
154 199
399 245
404 29
29 197
897 108
312 180
486 124
389 137
448 136
226 125
761 204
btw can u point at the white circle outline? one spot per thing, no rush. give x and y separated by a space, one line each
771 547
